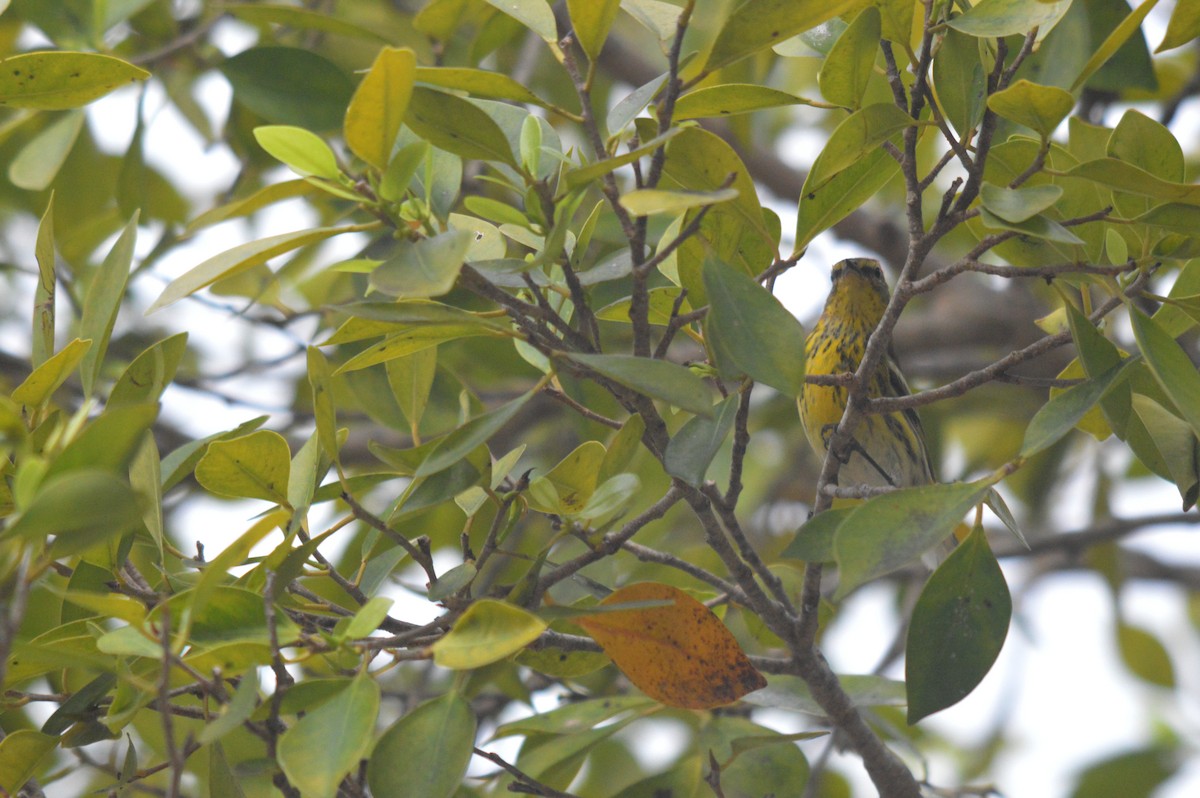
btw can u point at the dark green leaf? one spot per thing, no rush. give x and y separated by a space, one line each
851 61
656 378
150 372
458 444
103 300
1171 366
693 448
290 86
1133 774
457 126
814 539
1060 415
751 332
758 24
958 628
439 734
425 268
993 18
891 530
328 742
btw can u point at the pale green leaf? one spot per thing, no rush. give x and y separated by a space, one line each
377 109
487 632
55 81
439 734
327 743
254 466
303 151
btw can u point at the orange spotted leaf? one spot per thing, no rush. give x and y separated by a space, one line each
680 653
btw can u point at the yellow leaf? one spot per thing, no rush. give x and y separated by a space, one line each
681 654
378 106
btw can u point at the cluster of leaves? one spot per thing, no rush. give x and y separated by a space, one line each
567 319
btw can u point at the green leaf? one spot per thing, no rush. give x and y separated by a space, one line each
108 442
150 373
1060 415
1129 26
303 151
242 258
81 508
21 752
1144 655
591 21
1017 205
652 201
222 781
424 268
958 628
1036 227
894 529
1175 442
37 164
232 615
479 83
439 734
814 539
655 378
822 208
254 466
612 495
459 443
533 14
368 618
407 342
692 449
238 710
457 126
102 302
1183 27
857 136
730 99
1041 108
1170 365
293 17
994 18
851 61
44 380
55 81
1131 774
235 554
1126 177
290 86
574 717
487 632
791 693
328 742
571 482
758 24
589 172
1175 217
377 108
324 410
629 106
43 297
1143 142
751 332
411 379
182 461
959 82
145 477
